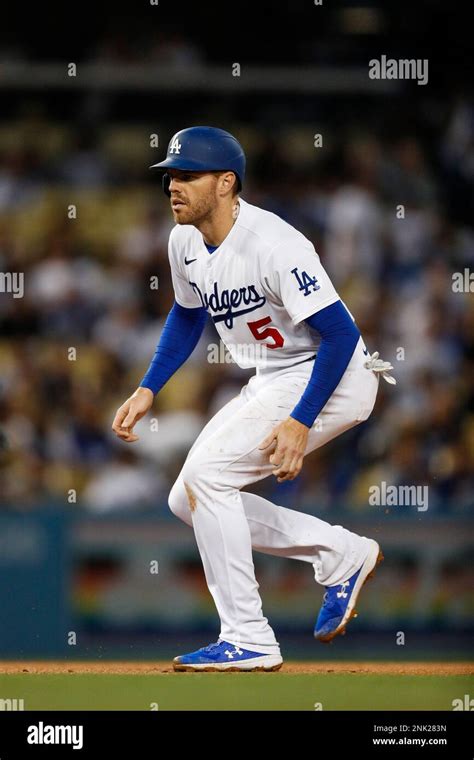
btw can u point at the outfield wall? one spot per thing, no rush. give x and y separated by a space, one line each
68 582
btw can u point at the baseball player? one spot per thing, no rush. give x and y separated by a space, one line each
275 309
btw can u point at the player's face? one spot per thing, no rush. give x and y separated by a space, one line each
193 195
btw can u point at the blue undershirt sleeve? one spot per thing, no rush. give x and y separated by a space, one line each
339 337
181 333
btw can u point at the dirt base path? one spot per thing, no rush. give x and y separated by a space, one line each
155 667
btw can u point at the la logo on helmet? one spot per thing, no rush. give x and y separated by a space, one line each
175 146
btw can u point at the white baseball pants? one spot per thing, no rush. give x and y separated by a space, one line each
228 524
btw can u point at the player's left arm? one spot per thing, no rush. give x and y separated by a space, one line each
295 275
339 337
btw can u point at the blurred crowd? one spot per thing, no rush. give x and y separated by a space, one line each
86 224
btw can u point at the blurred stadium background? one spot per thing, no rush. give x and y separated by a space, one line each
82 516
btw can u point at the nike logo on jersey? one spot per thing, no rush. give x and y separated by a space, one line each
227 302
305 281
190 260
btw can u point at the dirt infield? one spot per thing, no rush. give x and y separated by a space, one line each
314 668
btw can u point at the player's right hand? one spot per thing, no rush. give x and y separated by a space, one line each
131 412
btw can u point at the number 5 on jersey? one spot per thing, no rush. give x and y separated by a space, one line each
260 332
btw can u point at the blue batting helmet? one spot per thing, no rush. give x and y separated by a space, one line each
203 149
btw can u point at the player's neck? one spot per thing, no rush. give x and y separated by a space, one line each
216 229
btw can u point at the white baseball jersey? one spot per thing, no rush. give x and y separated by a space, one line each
258 286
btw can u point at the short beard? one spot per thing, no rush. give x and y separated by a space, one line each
200 212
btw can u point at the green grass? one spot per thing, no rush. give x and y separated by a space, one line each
236 691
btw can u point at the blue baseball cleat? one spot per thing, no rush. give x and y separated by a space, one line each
339 601
224 656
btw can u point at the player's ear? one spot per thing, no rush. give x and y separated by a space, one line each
227 180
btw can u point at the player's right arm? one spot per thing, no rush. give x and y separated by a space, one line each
181 332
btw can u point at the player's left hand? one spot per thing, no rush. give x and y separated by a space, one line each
291 438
